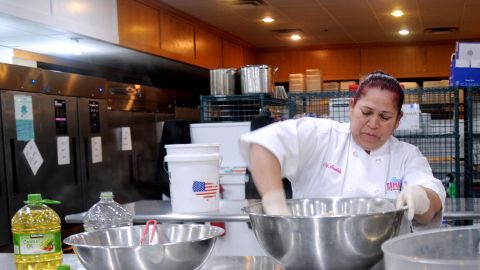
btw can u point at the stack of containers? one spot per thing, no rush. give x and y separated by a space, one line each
345 85
313 80
296 82
238 240
194 179
411 98
331 86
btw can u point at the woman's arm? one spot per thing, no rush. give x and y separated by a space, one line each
435 207
265 169
266 173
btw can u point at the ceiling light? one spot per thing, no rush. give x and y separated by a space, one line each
295 37
268 19
397 13
404 32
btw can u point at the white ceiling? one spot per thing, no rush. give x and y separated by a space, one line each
336 21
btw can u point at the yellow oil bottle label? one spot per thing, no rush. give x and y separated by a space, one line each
33 244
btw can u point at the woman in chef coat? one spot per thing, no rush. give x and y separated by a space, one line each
325 158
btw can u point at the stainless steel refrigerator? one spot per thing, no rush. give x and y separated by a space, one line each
53 121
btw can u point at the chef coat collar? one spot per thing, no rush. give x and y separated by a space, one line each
383 150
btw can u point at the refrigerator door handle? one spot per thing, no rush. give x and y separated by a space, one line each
87 163
75 164
14 166
130 168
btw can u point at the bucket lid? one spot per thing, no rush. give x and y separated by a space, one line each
192 145
189 158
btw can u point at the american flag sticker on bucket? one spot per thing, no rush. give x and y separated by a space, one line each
205 189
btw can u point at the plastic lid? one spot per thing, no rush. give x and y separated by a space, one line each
36 198
63 267
189 158
106 195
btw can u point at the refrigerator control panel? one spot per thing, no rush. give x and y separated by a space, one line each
60 116
94 116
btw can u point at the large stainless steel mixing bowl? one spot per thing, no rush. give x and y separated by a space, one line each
439 249
180 246
327 233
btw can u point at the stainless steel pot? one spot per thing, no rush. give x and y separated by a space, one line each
257 79
222 81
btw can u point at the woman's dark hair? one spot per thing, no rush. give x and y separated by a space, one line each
383 81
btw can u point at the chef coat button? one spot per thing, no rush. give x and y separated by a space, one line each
377 191
378 160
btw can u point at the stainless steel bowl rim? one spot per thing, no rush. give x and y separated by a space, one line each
430 261
218 231
244 209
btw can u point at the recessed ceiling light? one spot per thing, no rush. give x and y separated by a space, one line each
268 19
397 13
404 32
295 37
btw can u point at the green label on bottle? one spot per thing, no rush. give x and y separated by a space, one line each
32 244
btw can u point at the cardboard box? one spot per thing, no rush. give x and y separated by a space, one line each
467 50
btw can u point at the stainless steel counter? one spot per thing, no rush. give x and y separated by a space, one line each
214 262
455 209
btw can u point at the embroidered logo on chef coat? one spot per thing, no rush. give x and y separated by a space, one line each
394 184
332 167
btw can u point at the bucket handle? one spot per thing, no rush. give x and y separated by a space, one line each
166 170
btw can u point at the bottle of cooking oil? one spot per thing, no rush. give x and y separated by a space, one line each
37 241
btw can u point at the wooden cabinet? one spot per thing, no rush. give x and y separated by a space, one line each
403 61
208 49
232 55
151 27
138 25
177 36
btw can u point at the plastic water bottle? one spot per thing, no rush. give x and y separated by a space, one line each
106 213
37 240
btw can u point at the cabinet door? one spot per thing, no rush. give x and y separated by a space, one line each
138 25
208 48
232 55
177 36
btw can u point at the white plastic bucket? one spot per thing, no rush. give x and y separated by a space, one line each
193 148
233 185
194 185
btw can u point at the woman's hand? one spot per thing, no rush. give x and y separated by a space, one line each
423 203
275 203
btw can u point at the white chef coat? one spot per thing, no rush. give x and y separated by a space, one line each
321 159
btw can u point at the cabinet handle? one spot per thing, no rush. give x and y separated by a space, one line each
130 168
75 165
87 163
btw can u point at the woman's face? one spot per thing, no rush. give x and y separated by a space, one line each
374 118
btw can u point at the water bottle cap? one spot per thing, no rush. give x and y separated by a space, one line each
36 198
106 195
63 267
